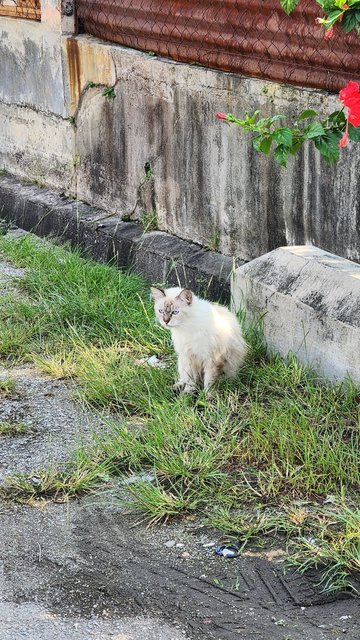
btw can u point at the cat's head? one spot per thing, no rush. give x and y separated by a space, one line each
172 306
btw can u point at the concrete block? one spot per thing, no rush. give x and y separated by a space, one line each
311 304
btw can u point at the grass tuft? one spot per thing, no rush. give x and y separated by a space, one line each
7 387
14 428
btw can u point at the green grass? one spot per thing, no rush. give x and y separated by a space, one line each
9 428
336 548
7 387
258 456
69 299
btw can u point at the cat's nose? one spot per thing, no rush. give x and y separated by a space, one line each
166 320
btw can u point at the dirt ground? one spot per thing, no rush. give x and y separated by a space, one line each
86 570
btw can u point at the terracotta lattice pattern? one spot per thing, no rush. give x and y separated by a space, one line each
253 38
29 9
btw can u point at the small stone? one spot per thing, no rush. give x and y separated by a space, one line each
207 545
170 543
180 545
185 555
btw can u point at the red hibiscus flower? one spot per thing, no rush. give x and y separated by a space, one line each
329 33
350 97
220 116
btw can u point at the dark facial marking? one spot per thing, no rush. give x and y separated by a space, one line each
168 312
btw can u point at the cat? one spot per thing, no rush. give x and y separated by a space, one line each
206 336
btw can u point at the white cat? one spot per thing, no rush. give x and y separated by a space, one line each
206 336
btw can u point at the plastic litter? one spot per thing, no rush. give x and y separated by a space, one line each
35 481
170 543
152 361
227 551
138 477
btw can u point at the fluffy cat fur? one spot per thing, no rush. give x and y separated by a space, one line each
206 336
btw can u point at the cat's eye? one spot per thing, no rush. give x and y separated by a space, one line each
161 310
175 312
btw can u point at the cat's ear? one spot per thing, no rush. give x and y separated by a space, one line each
157 293
185 296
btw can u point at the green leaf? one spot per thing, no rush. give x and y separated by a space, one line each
275 118
251 119
308 113
281 154
328 146
332 17
289 5
265 145
350 20
296 146
314 130
354 133
283 136
262 143
263 123
337 118
257 142
325 4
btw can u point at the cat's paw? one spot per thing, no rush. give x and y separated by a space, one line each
189 388
178 387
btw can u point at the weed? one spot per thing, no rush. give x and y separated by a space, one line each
90 84
14 429
72 120
335 546
4 225
218 582
109 93
236 585
37 182
149 221
7 387
148 171
60 364
57 484
214 243
76 160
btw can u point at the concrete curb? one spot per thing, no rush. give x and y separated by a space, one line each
158 256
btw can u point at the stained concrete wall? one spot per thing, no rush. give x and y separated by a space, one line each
157 146
36 138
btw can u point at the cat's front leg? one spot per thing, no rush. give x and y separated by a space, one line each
212 371
186 383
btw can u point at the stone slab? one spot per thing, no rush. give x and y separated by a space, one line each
310 302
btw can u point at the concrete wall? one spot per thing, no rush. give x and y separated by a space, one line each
36 139
157 146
